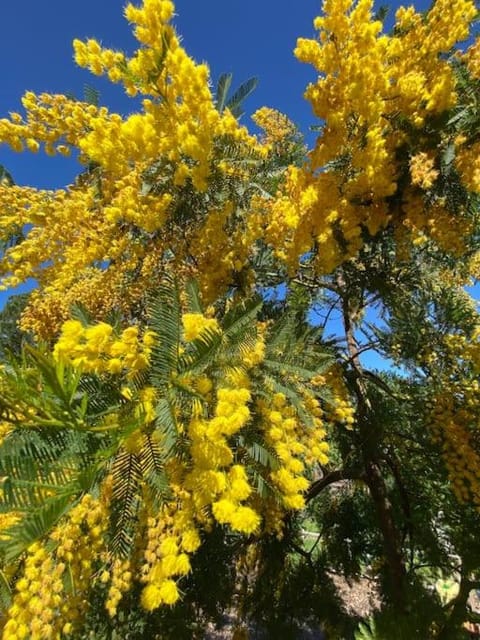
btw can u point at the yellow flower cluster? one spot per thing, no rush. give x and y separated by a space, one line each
182 125
54 120
293 444
210 484
423 80
171 536
96 349
42 608
454 427
160 193
314 439
120 575
221 246
255 356
278 130
106 238
455 415
366 79
422 170
467 161
37 598
70 278
472 59
100 61
129 205
213 481
194 324
7 520
338 408
434 221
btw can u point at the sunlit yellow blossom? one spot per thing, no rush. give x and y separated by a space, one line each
194 324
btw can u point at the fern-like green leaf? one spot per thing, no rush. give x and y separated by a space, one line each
33 526
127 475
241 94
167 427
223 87
5 592
5 177
193 297
91 95
165 320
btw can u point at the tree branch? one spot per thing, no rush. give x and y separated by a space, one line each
334 476
370 450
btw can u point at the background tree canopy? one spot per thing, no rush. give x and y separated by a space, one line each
182 436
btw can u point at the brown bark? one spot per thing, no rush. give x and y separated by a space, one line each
335 476
459 608
372 461
389 530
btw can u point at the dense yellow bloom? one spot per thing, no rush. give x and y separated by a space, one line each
472 59
122 211
242 519
106 237
279 130
156 594
97 349
41 607
468 163
151 597
7 520
454 412
296 446
339 409
163 190
422 170
194 324
366 79
121 580
256 355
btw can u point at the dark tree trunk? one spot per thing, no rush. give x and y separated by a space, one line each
373 477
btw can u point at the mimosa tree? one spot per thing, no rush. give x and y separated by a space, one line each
169 408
